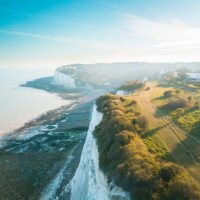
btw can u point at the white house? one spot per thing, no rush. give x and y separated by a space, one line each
193 76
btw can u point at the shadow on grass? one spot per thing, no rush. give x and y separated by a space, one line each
190 110
187 152
162 111
196 130
152 131
161 98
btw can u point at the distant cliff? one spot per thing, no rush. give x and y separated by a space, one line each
108 76
79 77
63 79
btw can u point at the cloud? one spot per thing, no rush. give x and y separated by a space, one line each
60 39
37 36
163 34
131 38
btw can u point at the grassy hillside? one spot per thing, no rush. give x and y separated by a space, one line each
131 86
183 107
127 161
112 75
165 138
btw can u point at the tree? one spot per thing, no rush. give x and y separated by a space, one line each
196 105
169 93
179 111
190 99
178 92
143 122
177 103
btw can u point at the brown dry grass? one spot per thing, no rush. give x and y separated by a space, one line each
182 148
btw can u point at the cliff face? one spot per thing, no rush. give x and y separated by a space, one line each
63 79
109 76
126 159
79 77
89 182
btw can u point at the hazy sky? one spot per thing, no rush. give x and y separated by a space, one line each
49 33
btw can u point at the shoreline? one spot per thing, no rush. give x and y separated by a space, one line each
8 135
46 146
41 157
69 99
28 104
32 155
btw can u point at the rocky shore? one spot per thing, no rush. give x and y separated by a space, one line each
33 157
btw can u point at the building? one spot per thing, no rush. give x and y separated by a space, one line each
193 76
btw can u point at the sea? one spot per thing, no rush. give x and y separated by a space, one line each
19 105
41 153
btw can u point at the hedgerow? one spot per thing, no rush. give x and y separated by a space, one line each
126 160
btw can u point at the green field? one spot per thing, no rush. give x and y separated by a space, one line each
141 152
165 139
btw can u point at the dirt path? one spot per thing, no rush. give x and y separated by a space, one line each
184 149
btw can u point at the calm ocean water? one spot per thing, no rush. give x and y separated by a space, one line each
19 105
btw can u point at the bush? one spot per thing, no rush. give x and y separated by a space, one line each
177 103
169 171
148 88
190 99
197 105
132 86
169 93
142 122
179 112
183 188
124 137
125 159
177 92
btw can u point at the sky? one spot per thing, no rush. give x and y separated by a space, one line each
51 33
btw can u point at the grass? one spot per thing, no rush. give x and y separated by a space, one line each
154 144
189 121
164 140
156 90
157 148
132 158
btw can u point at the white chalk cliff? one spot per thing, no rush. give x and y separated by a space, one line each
89 182
63 80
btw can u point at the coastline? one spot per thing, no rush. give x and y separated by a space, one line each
33 155
22 105
46 150
89 181
50 147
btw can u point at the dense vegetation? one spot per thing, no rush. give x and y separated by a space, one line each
132 86
179 79
127 161
183 108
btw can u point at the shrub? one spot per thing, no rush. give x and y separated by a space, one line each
169 171
147 88
190 99
177 92
197 105
124 137
179 112
132 86
169 93
183 188
142 122
177 103
125 159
